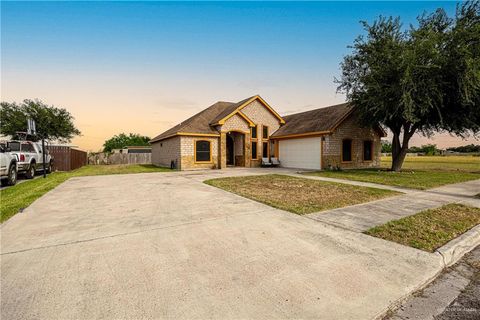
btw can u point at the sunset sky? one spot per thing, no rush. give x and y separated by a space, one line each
143 67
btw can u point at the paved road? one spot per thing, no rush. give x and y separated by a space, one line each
454 295
165 245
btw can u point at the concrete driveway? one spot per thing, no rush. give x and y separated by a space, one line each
165 245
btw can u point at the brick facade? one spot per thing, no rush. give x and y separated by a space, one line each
235 123
261 116
349 129
165 151
188 153
181 149
238 125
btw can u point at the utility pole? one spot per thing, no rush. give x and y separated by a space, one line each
31 129
44 158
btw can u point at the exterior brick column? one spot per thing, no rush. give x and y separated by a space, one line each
222 152
248 153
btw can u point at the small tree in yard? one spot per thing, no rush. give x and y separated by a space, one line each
427 149
52 123
430 149
425 79
122 140
386 146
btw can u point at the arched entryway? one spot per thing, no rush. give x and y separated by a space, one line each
235 152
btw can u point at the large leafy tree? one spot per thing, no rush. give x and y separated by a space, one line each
122 140
51 123
425 79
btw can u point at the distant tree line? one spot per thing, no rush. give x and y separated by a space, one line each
466 149
431 149
122 140
427 149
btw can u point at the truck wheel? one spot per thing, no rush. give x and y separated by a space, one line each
11 178
31 171
12 175
50 167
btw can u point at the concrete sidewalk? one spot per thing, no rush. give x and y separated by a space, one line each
362 217
168 246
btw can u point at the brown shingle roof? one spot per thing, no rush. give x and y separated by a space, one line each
228 110
318 120
198 123
202 122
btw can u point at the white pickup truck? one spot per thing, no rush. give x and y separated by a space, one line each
8 166
30 157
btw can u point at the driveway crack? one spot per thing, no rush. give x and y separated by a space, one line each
123 234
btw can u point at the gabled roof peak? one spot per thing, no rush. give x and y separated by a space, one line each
237 107
206 120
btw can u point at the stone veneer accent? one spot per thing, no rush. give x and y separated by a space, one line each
261 116
236 123
222 161
188 157
349 129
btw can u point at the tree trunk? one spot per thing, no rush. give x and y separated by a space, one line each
399 151
397 161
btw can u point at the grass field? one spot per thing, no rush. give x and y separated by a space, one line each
430 229
116 169
417 172
298 195
448 163
23 194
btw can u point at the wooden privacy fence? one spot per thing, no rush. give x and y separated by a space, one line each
120 158
67 158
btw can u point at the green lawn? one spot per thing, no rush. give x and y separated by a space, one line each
407 179
298 195
430 229
23 194
417 172
117 169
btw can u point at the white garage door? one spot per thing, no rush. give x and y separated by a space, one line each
300 153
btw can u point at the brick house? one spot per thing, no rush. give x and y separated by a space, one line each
242 133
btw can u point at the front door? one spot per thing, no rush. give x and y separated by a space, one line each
230 151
